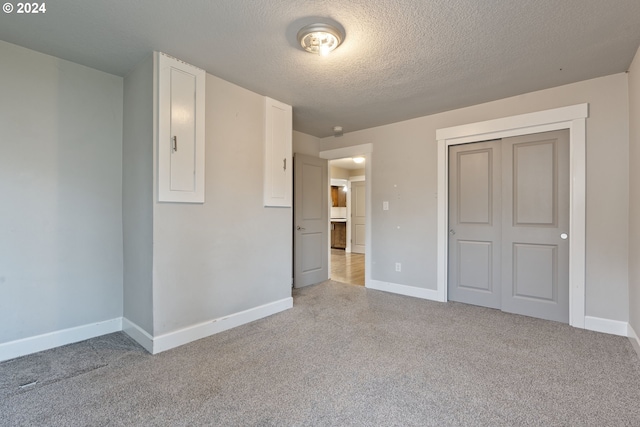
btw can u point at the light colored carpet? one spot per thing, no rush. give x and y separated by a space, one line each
344 355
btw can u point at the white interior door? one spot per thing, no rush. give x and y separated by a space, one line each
311 219
508 224
358 216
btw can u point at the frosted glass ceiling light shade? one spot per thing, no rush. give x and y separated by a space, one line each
358 159
320 38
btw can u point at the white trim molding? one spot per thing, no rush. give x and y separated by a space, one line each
633 337
22 347
411 291
154 345
138 334
202 330
350 181
572 118
366 151
607 326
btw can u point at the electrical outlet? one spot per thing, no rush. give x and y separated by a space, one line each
385 206
398 266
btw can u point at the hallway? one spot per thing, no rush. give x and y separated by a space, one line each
347 267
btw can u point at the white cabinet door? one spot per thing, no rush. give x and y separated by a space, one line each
181 91
277 154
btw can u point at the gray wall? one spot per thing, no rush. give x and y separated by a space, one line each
229 254
404 173
67 186
634 194
137 195
60 184
306 144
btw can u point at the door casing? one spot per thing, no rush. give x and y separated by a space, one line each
572 118
354 223
366 151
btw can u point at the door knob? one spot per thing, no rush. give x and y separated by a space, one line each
300 228
452 231
564 236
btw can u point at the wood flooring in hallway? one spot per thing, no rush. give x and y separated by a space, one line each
347 267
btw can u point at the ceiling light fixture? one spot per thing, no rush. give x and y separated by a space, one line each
320 38
358 160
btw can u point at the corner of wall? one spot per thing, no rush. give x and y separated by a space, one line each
635 341
137 200
138 334
164 342
634 195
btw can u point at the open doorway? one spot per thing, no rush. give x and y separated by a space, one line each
366 151
348 219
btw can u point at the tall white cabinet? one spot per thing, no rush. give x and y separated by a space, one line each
181 143
278 166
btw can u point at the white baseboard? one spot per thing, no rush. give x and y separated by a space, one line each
211 327
635 341
22 347
411 291
138 334
607 326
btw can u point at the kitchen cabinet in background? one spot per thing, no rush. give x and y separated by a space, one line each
338 235
338 197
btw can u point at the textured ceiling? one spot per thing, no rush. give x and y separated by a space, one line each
346 163
401 59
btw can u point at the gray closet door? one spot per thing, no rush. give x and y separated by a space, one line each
509 225
535 218
474 223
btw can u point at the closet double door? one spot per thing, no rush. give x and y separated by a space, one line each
509 225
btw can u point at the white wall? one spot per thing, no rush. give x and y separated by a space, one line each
60 188
634 194
404 173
